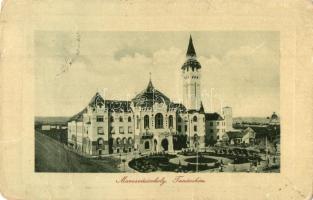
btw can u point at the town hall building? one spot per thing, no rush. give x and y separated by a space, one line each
150 122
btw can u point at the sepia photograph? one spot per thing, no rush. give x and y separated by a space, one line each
143 102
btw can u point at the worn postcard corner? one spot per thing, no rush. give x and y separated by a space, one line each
156 100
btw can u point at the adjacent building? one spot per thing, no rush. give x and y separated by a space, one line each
214 127
227 114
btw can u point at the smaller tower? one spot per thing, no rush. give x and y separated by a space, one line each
274 120
228 118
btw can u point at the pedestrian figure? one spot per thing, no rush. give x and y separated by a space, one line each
221 168
255 169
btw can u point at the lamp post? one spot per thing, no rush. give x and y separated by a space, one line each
120 159
171 128
187 121
197 157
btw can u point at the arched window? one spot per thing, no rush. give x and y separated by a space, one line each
195 119
159 120
170 121
124 140
121 119
146 121
118 141
129 119
100 141
130 141
147 145
111 119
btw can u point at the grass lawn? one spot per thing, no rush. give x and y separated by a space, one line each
51 156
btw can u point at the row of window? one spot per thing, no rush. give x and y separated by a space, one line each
193 77
217 130
194 119
179 128
112 130
123 141
158 121
217 123
158 118
121 130
101 119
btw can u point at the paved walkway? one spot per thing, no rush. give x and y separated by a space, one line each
123 166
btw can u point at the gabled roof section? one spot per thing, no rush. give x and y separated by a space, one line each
232 135
118 106
79 116
110 105
96 97
149 96
213 117
249 129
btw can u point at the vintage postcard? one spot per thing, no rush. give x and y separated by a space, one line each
177 116
156 100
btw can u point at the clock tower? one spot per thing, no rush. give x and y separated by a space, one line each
191 75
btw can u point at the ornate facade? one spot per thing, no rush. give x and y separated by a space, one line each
150 122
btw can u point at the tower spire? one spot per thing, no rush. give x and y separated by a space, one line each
191 78
191 50
150 85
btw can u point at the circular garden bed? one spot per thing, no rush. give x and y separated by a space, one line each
200 160
154 163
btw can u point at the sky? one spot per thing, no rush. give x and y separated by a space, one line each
239 69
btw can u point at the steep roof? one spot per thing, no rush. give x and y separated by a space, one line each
235 134
213 117
191 50
191 62
149 96
110 105
249 129
118 106
265 131
96 98
201 110
79 116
